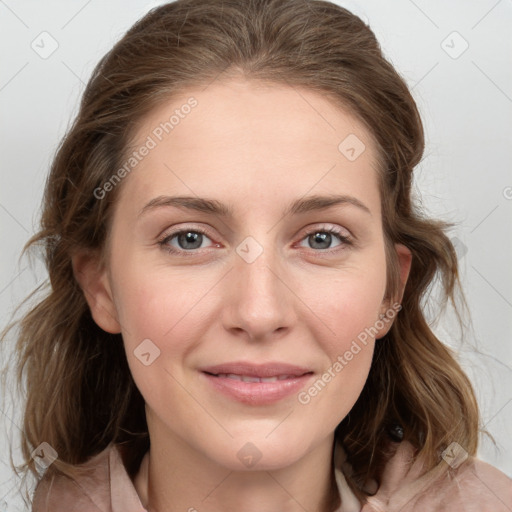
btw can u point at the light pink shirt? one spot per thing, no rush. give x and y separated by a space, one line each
473 486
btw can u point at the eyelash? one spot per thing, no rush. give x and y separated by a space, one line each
192 252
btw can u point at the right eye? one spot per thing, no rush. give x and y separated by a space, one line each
187 241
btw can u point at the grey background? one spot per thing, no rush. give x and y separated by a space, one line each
465 98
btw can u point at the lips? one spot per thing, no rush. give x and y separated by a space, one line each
260 371
247 378
256 384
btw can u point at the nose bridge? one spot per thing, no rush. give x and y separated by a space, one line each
260 301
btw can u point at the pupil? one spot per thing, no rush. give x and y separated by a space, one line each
190 238
322 238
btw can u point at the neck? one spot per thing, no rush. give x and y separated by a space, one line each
174 477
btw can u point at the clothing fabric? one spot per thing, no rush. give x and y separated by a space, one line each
472 486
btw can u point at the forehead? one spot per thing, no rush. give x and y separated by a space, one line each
252 140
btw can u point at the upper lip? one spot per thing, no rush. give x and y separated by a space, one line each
272 369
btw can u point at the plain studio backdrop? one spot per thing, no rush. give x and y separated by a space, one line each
454 56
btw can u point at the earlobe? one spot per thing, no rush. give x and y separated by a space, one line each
93 281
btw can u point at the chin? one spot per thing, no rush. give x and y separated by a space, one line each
257 453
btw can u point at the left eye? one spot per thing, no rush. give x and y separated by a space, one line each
322 238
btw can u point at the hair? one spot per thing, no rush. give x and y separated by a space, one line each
80 394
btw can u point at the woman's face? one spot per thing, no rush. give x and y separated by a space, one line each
259 171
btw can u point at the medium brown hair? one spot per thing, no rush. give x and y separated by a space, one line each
80 393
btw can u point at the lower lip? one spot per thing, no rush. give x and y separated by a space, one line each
258 393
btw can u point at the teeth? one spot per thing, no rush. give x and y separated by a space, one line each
230 376
246 378
250 379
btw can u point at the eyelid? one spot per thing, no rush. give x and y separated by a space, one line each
326 226
171 233
184 226
347 240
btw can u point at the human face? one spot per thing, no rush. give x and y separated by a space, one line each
255 285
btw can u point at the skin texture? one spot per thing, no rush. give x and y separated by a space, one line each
255 148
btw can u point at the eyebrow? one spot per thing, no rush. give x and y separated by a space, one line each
303 205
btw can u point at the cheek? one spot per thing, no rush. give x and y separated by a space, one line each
350 303
160 327
350 311
159 305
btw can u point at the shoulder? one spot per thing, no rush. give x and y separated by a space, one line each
469 486
89 491
473 486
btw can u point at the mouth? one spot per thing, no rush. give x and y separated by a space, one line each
246 369
250 378
257 384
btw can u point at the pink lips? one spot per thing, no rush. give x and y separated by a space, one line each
257 384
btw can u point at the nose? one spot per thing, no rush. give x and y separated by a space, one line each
260 302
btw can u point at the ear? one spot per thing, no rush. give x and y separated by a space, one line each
93 279
404 262
388 309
